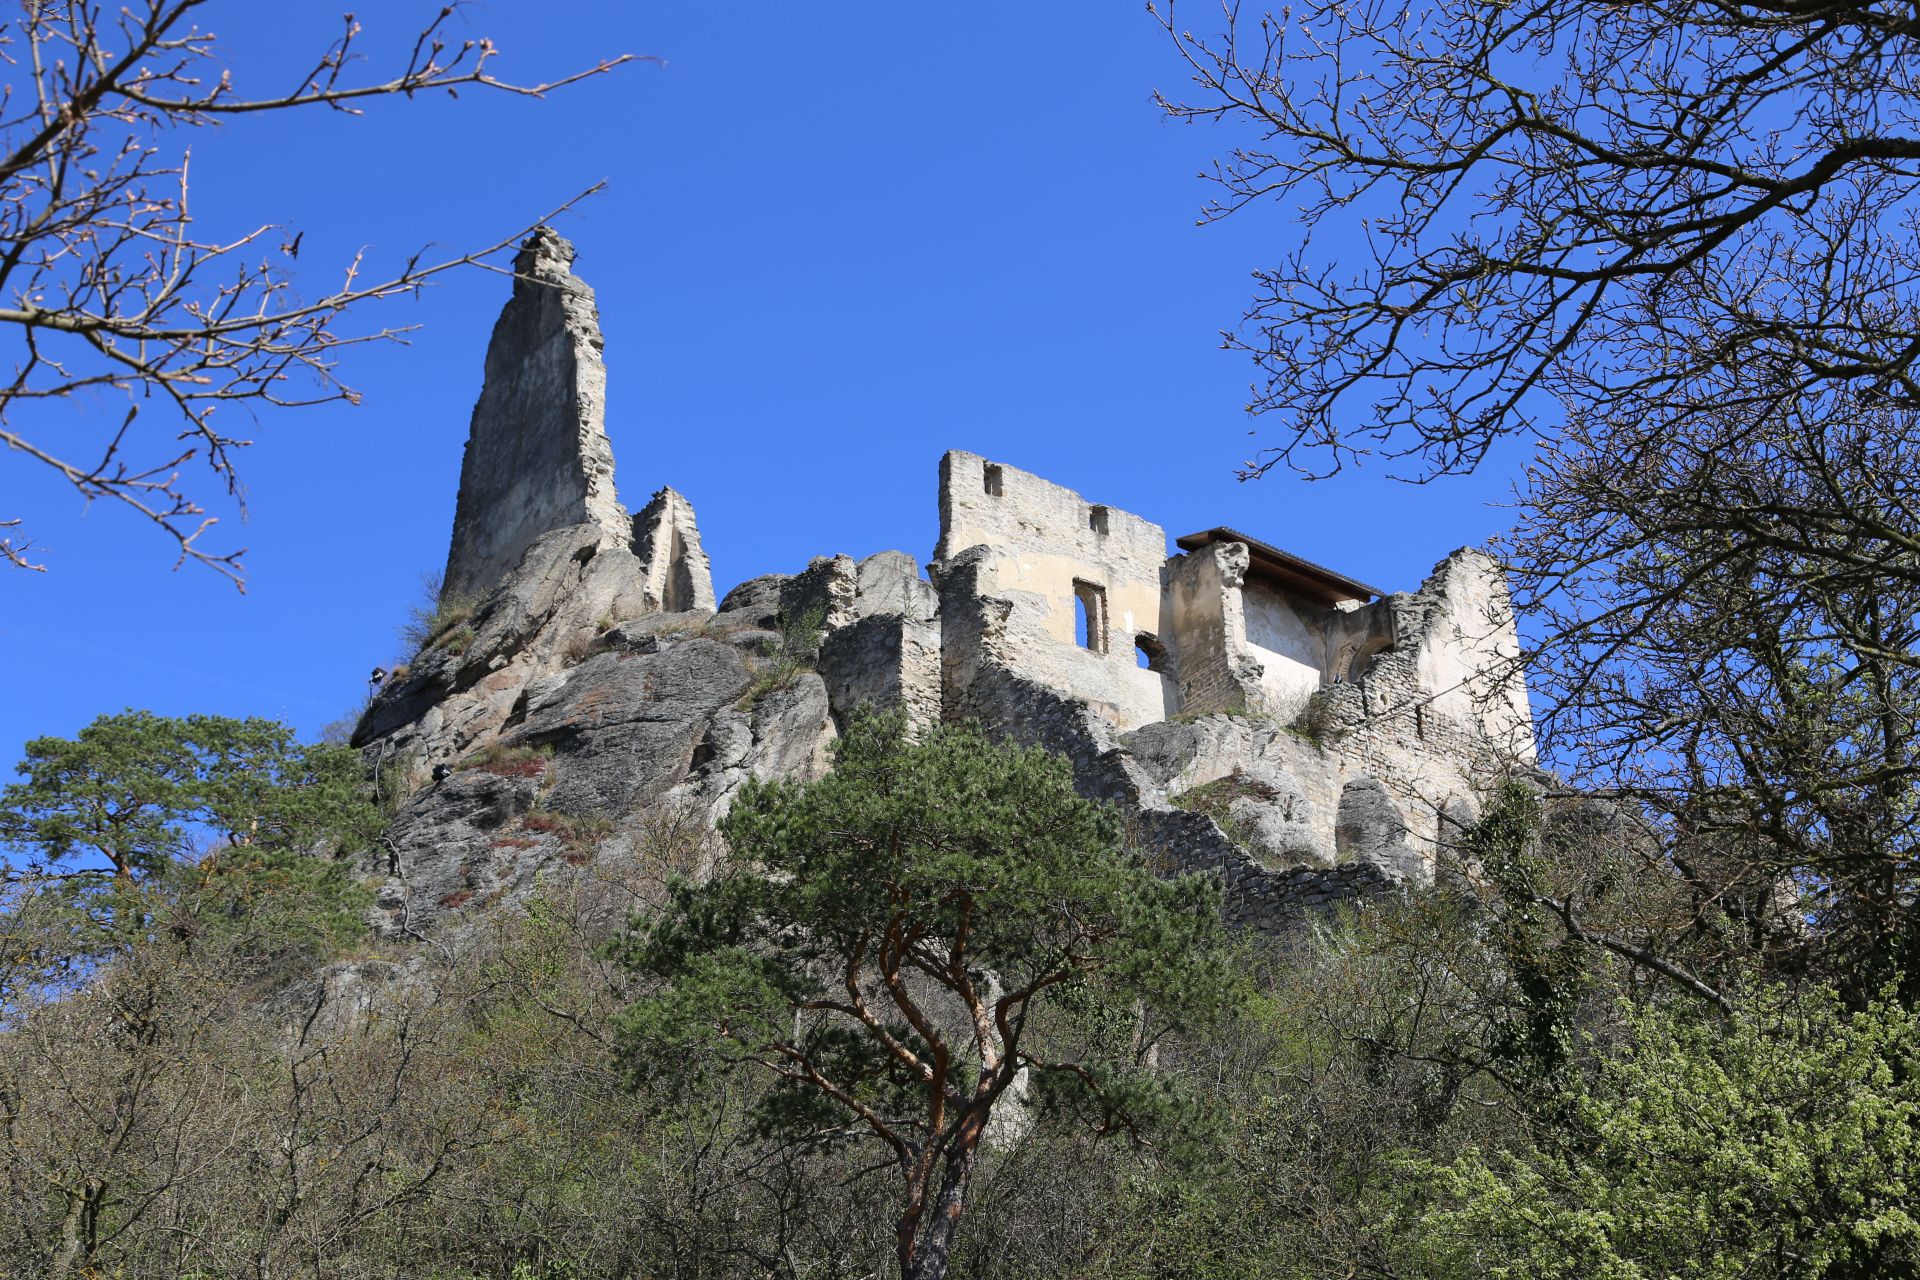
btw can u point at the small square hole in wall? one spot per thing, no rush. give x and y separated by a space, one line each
1090 616
1097 520
994 485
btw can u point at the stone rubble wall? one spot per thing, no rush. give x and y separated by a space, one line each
676 576
537 456
1268 900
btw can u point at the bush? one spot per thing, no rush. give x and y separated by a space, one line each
504 761
434 616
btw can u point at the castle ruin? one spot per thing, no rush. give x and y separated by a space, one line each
1297 732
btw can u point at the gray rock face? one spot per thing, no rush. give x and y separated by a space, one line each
623 726
1277 824
1369 829
537 453
455 846
457 693
757 600
823 596
889 582
793 731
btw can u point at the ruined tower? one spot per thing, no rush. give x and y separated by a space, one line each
537 455
1292 731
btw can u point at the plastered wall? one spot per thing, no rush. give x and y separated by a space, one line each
1045 545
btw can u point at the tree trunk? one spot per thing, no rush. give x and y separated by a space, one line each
935 1246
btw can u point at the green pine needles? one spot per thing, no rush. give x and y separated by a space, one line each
897 944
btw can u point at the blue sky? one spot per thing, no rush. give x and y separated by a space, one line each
836 240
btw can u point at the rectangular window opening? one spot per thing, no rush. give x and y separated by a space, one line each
1090 616
1097 520
994 481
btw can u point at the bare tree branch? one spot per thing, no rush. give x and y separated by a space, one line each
106 286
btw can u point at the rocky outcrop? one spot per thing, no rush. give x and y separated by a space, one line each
676 576
1256 717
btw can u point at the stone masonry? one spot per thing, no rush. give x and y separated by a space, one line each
537 456
1301 736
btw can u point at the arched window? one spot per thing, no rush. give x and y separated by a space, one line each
1148 652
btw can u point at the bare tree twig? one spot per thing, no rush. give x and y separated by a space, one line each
107 286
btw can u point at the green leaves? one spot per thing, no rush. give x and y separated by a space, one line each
1782 1141
136 791
201 830
890 939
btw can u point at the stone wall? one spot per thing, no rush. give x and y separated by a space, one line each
1288 639
537 456
1213 670
1056 558
676 577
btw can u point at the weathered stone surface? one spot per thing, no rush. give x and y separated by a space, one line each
1279 826
1371 829
1062 568
454 846
822 597
757 600
793 731
675 575
889 582
882 661
1214 670
623 727
654 632
457 694
537 453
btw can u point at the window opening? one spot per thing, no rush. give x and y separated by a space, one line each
1097 520
1090 616
1148 652
994 481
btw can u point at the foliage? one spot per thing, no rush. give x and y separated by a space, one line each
889 941
137 792
796 650
480 1111
200 825
1315 722
1778 1142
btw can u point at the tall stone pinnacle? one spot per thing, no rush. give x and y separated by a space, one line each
537 454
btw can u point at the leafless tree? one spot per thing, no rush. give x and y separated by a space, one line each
1517 210
107 285
1728 613
1675 241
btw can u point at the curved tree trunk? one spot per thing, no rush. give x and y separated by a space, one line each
934 1247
